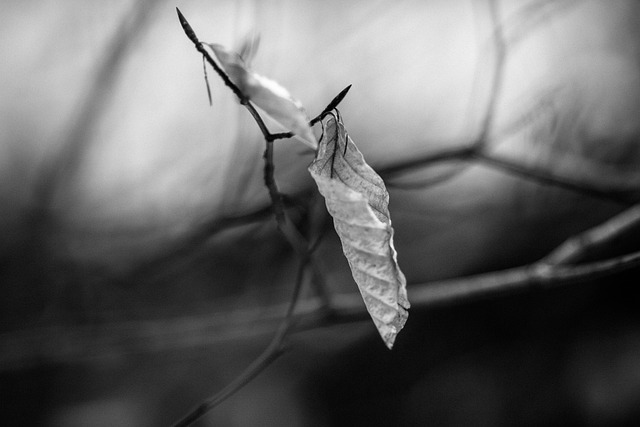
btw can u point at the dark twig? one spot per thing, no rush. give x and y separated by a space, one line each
597 239
200 47
288 229
268 356
206 80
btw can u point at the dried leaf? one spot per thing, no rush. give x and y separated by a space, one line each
358 201
267 94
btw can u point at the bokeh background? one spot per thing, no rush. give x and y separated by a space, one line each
133 285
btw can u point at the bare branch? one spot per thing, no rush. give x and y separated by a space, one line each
54 344
455 153
500 55
517 280
270 354
597 239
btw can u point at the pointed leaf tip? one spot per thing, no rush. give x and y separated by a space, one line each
358 201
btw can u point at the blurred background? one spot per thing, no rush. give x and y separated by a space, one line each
141 269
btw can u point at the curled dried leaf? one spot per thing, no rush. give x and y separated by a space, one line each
358 201
267 94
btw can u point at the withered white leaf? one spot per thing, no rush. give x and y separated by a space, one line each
358 201
267 94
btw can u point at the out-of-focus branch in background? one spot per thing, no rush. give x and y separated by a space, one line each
563 266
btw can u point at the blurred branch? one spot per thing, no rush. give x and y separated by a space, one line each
534 276
500 55
270 354
197 237
478 152
467 152
620 196
92 105
625 197
59 343
597 239
529 17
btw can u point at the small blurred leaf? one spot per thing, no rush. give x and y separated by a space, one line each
267 94
249 48
358 201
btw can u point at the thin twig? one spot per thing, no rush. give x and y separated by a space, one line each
621 197
200 47
500 47
596 239
455 153
268 356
